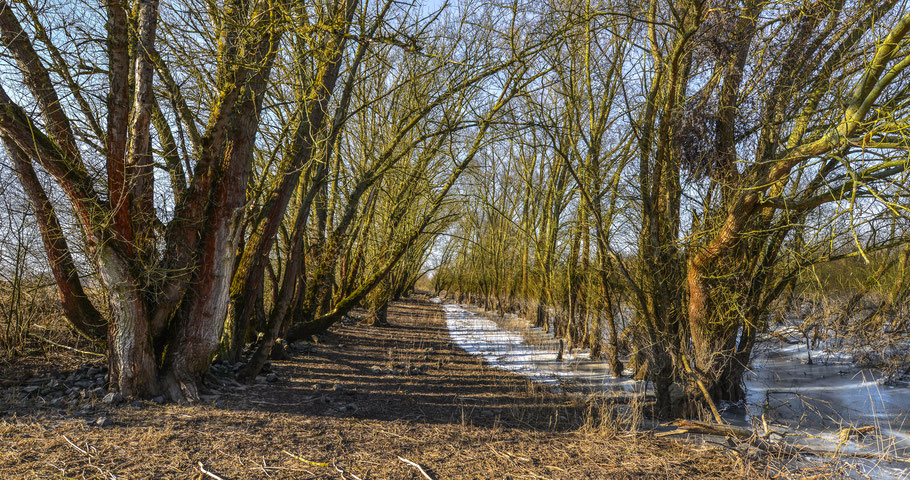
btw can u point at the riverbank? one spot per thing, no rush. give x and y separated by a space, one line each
357 404
843 420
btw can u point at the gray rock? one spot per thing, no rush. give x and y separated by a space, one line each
103 422
54 394
208 398
260 379
30 389
271 378
159 400
112 398
136 405
85 383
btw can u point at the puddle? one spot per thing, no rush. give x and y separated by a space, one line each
809 403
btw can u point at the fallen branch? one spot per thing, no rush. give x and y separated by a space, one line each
206 472
413 464
749 437
692 426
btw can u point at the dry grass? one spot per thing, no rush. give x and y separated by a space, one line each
334 416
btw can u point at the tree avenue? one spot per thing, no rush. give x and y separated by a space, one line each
655 181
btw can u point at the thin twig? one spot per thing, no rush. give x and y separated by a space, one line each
203 470
77 448
39 337
422 471
342 472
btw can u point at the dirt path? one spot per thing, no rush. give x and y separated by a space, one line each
349 407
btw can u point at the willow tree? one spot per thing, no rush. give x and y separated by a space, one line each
166 282
766 113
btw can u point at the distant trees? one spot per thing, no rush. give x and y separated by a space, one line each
722 148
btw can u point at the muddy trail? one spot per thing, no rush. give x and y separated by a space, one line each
362 402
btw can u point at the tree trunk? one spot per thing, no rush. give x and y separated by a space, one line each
714 340
379 316
130 353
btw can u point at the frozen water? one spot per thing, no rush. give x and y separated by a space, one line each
810 403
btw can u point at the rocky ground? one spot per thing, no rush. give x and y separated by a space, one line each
398 402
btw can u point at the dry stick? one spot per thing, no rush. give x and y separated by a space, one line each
77 448
203 470
39 337
342 472
422 471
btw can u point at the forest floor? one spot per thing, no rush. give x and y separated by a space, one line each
395 402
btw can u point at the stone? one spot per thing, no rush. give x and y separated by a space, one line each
112 398
103 422
260 379
30 389
159 400
271 378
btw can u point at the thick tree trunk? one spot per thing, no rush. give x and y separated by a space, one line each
130 353
714 341
379 316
